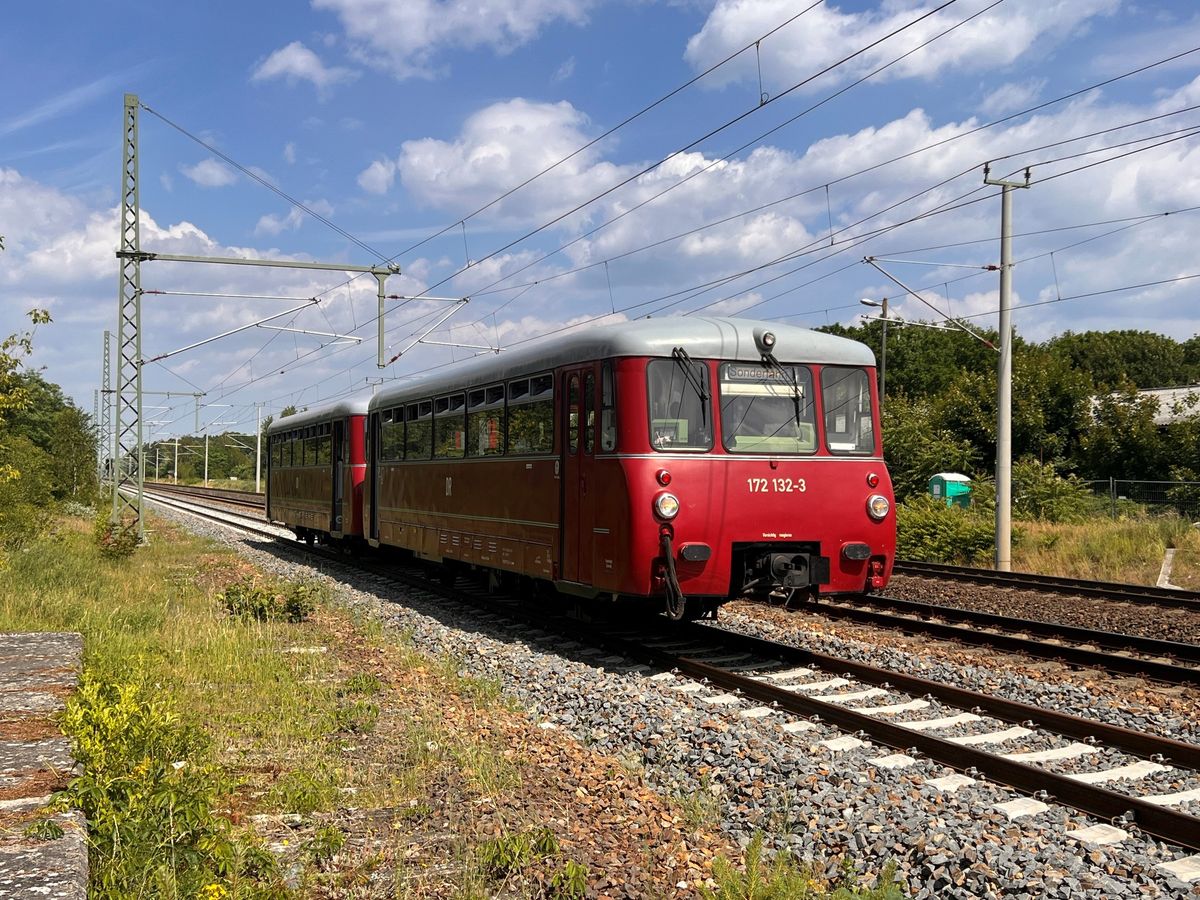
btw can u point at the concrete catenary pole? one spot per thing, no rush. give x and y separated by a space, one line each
1004 377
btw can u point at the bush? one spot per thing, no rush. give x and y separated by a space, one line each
927 529
1039 492
148 790
114 541
264 602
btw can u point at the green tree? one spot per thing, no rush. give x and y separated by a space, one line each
916 446
1112 358
1122 441
73 455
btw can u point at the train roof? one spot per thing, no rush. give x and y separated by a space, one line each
701 337
351 406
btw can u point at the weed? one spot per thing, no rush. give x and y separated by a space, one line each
358 717
326 841
43 830
294 601
302 792
785 879
148 790
115 541
569 882
508 854
301 598
361 683
700 807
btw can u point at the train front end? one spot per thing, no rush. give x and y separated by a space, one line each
764 476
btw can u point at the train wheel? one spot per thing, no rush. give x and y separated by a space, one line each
309 539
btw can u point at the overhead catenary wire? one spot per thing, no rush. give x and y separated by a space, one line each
1076 93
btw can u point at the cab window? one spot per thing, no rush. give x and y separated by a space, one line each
680 398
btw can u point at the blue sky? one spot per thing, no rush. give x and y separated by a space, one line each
394 118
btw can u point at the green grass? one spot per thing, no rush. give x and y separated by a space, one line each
1129 550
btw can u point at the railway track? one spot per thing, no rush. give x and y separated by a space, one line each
1127 593
249 499
1170 662
727 671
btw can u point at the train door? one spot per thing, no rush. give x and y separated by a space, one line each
373 438
338 457
578 487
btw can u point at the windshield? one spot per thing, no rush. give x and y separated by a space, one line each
846 398
767 410
680 412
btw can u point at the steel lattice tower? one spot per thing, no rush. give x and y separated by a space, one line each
129 467
104 432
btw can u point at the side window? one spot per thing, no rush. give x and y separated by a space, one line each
589 413
325 445
418 442
449 426
392 434
531 415
846 398
608 411
573 414
485 421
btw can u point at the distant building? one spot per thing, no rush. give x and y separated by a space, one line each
1174 404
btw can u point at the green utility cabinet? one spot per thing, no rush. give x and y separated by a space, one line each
954 488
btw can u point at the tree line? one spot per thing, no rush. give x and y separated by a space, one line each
1076 410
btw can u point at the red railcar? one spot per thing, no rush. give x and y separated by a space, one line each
315 466
686 460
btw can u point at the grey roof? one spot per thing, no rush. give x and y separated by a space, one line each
702 338
351 406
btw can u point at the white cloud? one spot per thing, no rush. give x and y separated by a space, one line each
377 178
499 147
1012 96
296 62
289 153
209 173
403 37
273 224
565 71
827 34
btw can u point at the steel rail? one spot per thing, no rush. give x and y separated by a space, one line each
1129 593
1111 640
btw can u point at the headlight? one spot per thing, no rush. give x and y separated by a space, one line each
666 505
878 506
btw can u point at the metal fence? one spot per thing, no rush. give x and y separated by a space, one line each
1183 496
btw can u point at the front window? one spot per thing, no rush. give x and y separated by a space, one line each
680 411
767 409
846 397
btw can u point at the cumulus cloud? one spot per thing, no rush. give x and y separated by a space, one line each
1012 96
403 37
499 147
274 224
295 63
827 34
289 153
377 178
209 173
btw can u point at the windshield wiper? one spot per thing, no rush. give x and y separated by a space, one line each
685 363
769 361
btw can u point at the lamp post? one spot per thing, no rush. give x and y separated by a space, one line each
882 305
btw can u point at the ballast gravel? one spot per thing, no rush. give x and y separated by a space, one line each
755 773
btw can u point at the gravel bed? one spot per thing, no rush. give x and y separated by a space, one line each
1172 712
1068 609
750 774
